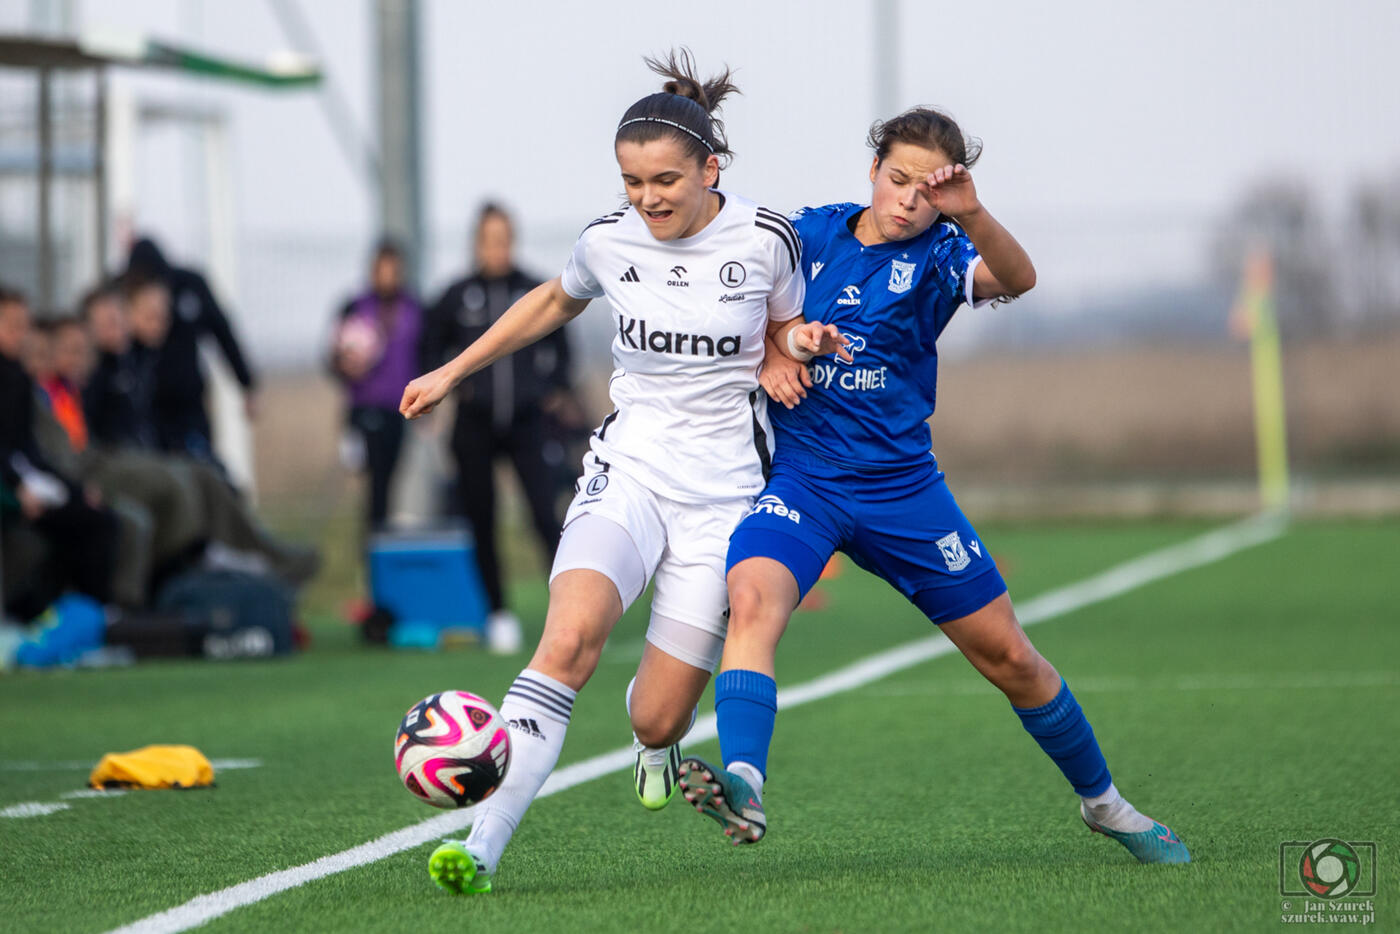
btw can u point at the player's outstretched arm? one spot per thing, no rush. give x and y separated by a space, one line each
542 310
802 340
783 378
1006 270
789 345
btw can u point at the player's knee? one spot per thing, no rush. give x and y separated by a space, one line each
1014 664
659 728
752 609
566 653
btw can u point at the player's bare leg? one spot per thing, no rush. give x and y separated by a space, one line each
661 702
762 595
996 645
583 608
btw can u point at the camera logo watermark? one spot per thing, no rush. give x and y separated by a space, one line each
1327 881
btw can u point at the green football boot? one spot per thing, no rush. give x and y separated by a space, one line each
656 783
453 867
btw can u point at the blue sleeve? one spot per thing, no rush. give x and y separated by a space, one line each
952 258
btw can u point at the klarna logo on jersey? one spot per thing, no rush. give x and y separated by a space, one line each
633 333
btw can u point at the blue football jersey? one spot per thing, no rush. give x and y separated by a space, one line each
891 300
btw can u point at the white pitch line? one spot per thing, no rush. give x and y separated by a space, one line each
1205 549
32 809
1111 684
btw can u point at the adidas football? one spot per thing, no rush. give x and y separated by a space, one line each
452 749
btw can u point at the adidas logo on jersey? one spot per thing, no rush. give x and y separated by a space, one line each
679 281
630 275
529 726
633 333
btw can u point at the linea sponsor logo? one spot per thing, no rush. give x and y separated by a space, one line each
634 334
774 506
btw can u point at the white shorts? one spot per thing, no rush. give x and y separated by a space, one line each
682 546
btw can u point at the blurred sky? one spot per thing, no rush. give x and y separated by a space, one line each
1115 133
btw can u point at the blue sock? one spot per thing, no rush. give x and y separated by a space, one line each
1061 730
746 705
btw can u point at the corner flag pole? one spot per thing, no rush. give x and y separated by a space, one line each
1254 314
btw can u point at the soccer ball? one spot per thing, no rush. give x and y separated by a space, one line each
452 749
360 341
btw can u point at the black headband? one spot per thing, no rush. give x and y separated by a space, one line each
680 126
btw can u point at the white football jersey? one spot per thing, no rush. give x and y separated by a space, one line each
690 420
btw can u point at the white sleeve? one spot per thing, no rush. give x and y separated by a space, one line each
577 279
967 297
789 288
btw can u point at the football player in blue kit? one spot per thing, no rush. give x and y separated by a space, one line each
853 471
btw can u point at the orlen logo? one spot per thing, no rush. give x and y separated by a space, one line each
772 504
633 333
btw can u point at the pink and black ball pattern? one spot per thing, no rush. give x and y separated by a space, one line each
452 749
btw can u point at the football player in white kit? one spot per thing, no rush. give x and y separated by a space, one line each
697 278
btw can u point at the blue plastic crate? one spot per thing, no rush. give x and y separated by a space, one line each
429 581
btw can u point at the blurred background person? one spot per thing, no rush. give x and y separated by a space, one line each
199 515
70 363
179 400
514 408
375 354
38 497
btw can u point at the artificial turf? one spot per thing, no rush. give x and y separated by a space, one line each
1248 703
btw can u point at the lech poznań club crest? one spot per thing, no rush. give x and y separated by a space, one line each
901 276
954 554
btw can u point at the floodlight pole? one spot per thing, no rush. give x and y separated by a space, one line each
99 165
46 260
400 190
885 29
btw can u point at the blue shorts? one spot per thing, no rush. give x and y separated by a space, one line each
901 525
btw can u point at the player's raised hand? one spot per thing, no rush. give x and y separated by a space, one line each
820 339
425 392
950 191
783 378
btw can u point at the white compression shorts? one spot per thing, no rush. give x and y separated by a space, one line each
622 530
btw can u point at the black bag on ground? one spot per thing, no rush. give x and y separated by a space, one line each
235 614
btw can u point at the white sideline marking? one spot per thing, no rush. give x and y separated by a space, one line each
1112 684
93 793
1156 565
32 809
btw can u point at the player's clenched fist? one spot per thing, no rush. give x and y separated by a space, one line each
425 392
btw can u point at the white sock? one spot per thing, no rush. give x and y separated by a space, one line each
750 774
1113 811
538 709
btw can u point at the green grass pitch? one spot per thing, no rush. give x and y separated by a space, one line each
1246 703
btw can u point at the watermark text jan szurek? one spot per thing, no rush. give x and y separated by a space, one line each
1327 881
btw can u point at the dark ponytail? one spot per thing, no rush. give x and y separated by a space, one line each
928 129
683 110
